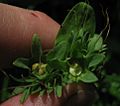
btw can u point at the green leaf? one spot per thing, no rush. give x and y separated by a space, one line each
80 16
104 48
58 90
80 20
16 79
97 59
75 43
88 77
60 51
36 49
42 92
58 64
35 89
40 77
99 44
25 95
4 93
113 78
22 63
17 90
49 90
95 43
113 82
29 80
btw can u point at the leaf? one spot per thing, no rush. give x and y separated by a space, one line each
4 93
42 92
113 78
97 59
80 16
80 19
25 95
22 63
113 85
29 80
17 90
75 43
36 49
88 77
16 79
35 89
40 77
58 90
58 64
99 44
49 90
104 48
60 51
95 43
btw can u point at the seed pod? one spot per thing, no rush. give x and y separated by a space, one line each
75 70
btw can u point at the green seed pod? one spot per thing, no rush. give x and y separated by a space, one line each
75 70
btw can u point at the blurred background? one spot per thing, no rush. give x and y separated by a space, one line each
109 88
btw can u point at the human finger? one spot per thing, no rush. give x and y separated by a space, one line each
17 27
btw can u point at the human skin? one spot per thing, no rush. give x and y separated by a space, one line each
17 27
73 95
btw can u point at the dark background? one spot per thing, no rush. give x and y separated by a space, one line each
58 9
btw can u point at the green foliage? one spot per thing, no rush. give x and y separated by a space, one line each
80 18
113 86
75 58
96 60
88 77
17 90
109 87
58 90
4 94
26 94
95 43
22 63
36 49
